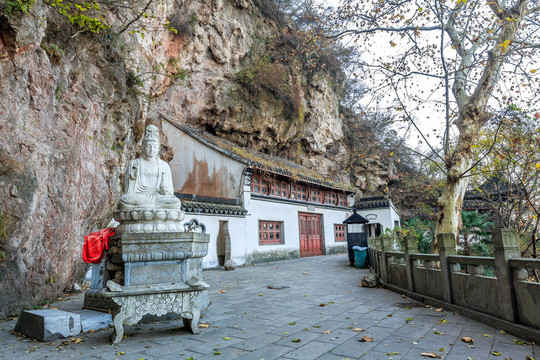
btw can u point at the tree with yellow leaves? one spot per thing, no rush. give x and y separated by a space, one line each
450 62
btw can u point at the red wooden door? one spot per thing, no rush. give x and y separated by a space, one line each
310 234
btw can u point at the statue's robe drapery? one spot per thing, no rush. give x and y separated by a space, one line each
148 187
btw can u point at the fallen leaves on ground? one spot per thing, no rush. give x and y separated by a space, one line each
292 323
438 333
296 340
226 338
467 339
326 332
486 335
439 310
204 325
496 353
392 353
322 304
529 358
366 339
519 342
357 329
221 291
431 355
218 353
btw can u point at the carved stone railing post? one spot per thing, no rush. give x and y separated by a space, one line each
447 246
506 244
411 247
385 244
371 258
376 255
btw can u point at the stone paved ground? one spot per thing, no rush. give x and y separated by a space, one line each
247 320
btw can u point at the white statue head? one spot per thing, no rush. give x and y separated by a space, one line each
151 142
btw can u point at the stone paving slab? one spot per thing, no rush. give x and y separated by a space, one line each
322 306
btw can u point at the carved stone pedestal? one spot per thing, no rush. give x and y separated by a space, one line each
133 302
162 273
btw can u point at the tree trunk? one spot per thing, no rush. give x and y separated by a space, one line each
458 163
451 202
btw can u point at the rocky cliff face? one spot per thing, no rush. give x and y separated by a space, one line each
75 103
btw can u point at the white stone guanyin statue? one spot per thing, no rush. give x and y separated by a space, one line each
148 180
148 203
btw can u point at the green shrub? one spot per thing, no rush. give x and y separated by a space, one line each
265 75
12 7
54 52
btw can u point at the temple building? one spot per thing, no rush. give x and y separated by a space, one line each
255 207
381 213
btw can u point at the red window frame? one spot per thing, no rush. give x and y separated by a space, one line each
316 195
342 200
259 185
331 198
284 189
299 192
339 232
279 188
270 232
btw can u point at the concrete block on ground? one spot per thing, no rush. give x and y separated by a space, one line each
95 320
46 325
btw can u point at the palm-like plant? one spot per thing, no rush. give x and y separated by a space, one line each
474 223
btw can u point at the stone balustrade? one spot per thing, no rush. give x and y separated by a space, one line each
499 290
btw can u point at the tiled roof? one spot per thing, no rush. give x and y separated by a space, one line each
356 218
431 213
209 205
260 161
373 202
190 206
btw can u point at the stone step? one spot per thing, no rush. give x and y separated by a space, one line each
94 320
46 325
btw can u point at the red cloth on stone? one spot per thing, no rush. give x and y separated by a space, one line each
95 245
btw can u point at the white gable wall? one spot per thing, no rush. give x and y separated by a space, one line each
198 169
386 216
238 235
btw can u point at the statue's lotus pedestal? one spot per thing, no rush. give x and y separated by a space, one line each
152 273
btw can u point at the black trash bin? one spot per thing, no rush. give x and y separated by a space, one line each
356 233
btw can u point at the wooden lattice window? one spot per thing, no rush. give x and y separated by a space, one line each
330 198
279 188
316 195
259 185
299 192
270 232
339 231
342 199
